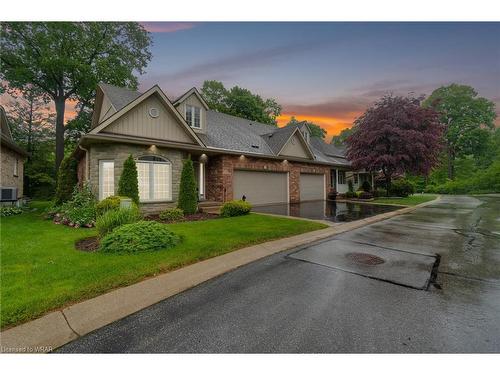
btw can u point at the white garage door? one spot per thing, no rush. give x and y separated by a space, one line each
312 187
260 187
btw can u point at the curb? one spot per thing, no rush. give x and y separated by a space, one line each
63 326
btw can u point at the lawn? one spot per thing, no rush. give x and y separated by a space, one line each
412 200
42 271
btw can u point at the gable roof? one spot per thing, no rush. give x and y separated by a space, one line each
227 132
139 99
6 135
190 92
119 96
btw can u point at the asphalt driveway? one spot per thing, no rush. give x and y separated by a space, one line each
313 300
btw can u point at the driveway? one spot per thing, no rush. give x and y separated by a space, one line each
312 300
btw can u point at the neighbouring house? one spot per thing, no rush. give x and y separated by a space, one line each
233 157
12 165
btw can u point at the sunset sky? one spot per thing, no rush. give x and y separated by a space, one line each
327 73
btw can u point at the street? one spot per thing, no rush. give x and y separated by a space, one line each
423 282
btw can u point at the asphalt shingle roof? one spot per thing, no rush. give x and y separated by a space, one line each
278 137
119 96
239 134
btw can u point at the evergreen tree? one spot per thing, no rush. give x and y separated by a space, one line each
66 180
129 185
188 198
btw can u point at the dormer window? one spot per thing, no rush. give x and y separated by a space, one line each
193 116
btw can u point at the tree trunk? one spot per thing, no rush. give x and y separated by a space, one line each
451 164
387 177
60 106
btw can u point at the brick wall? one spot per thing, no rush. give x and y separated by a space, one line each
7 178
220 174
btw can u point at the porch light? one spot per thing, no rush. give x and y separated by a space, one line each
153 148
242 157
203 158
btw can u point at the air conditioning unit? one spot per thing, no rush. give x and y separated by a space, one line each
8 194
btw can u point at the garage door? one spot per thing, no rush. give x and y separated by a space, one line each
312 187
260 187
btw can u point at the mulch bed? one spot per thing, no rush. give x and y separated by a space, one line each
194 217
89 244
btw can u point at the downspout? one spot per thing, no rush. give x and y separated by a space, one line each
87 164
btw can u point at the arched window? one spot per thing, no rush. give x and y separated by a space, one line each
155 178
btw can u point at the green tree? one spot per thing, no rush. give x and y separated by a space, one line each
128 186
32 127
66 180
66 60
466 117
340 139
215 94
188 197
240 102
316 130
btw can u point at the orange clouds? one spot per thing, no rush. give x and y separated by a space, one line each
332 125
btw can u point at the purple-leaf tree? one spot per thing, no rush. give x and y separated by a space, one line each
396 135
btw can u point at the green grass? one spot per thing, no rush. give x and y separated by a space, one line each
42 271
412 200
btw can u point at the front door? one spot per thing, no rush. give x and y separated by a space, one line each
333 179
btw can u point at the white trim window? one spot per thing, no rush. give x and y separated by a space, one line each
154 175
106 178
341 177
193 116
16 167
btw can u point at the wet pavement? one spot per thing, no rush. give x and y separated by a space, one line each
282 304
337 212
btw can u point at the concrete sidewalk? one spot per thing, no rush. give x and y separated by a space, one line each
60 327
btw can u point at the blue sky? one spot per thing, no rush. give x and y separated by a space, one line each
325 72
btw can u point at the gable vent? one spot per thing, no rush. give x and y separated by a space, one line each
154 112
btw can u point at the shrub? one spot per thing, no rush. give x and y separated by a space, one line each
350 186
81 209
402 188
115 218
10 211
66 180
366 186
128 186
379 192
235 208
188 197
109 203
365 195
483 181
350 194
139 237
172 214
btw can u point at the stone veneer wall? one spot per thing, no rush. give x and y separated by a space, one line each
7 178
120 152
219 174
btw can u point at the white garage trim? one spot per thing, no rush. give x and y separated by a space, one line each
261 187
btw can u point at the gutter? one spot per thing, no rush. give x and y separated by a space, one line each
148 141
87 163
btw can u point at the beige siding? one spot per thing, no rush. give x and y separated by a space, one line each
194 101
7 178
137 122
295 148
106 109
